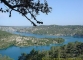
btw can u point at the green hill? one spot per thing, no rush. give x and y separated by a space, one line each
69 30
4 34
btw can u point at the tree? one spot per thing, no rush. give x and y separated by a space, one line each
24 7
33 55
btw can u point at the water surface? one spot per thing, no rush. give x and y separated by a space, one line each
14 51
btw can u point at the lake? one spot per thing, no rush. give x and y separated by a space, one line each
14 51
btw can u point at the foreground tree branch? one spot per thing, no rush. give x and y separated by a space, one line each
26 6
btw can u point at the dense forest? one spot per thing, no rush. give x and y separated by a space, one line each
71 51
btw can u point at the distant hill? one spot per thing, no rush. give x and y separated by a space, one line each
58 30
69 30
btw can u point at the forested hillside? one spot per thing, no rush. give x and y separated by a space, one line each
7 39
58 30
4 34
70 30
71 51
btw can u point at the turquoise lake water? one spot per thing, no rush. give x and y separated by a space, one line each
14 52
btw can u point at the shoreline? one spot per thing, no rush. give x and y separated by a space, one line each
26 46
21 41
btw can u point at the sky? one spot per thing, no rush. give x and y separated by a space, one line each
64 12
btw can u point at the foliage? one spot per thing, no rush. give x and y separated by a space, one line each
71 51
24 7
78 34
71 30
7 39
5 57
4 34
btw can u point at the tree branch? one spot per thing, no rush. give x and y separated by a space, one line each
24 8
35 18
26 17
6 3
12 7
